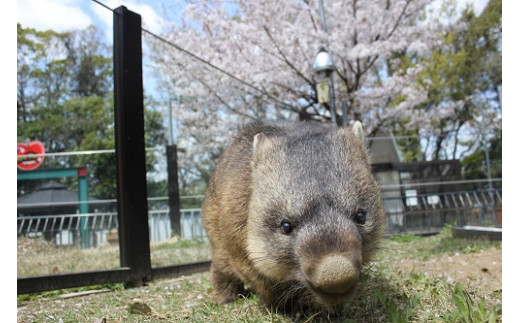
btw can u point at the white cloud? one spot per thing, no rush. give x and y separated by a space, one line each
64 15
106 18
58 15
150 19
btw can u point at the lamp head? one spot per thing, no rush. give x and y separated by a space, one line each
323 62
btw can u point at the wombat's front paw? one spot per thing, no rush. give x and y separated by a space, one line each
226 287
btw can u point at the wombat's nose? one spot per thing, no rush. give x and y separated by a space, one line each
335 274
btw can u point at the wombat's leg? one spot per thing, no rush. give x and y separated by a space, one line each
226 286
275 297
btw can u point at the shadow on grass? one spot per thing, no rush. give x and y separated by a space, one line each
377 300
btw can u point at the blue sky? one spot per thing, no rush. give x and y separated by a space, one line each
62 15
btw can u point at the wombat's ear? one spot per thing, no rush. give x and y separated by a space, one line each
261 144
359 133
257 141
357 128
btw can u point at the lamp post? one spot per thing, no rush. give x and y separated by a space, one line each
323 67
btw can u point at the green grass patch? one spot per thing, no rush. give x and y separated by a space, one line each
386 293
406 238
442 243
469 310
37 256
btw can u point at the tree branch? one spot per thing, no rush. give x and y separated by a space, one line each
285 59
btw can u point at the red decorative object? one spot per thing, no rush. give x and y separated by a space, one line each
30 156
82 171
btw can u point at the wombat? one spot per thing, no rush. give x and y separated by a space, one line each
292 211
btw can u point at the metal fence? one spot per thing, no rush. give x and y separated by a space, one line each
406 214
428 213
100 228
191 225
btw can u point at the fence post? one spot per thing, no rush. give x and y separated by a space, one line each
173 190
132 205
84 230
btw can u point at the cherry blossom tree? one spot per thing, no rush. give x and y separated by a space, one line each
270 45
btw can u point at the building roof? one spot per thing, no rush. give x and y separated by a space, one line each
43 198
384 149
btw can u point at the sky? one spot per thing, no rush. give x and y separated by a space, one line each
78 14
63 15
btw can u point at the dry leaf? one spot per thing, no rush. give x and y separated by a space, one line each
139 308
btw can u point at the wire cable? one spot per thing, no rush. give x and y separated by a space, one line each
200 59
83 152
103 5
214 67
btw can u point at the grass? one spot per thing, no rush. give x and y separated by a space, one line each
392 289
37 256
443 243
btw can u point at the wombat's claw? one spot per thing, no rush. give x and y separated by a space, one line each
297 317
321 316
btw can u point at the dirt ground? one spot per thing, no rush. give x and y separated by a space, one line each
482 269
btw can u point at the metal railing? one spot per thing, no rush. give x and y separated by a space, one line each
66 229
406 214
428 213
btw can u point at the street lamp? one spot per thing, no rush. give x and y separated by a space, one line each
323 67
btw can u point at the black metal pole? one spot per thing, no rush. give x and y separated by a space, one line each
134 235
173 189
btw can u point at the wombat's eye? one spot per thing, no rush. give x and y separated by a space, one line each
360 217
287 228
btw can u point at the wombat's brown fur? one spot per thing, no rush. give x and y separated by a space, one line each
292 211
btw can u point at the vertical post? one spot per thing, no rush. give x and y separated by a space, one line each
173 178
173 190
322 17
132 205
330 77
332 102
170 123
488 166
84 232
345 116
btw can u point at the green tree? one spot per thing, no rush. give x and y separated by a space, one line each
474 165
465 77
65 100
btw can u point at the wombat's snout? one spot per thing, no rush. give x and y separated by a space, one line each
333 274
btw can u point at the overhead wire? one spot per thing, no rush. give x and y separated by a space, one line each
202 60
83 152
103 5
215 67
